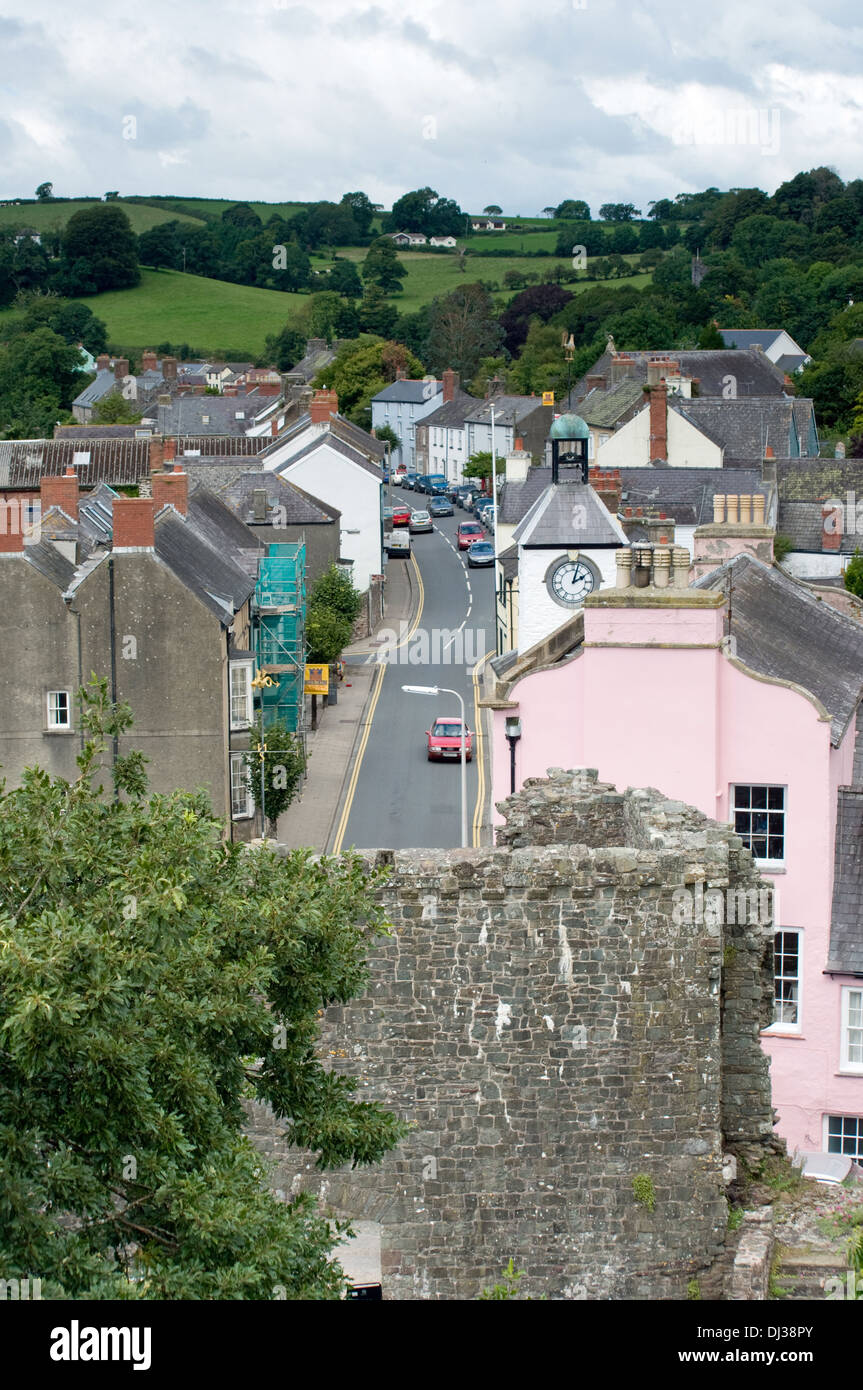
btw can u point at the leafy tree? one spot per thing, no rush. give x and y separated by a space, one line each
284 765
114 193
382 266
722 218
479 465
333 589
327 634
99 251
587 234
710 338
854 575
161 246
424 210
154 976
23 265
619 212
241 215
624 239
376 314
759 238
344 279
362 211
462 329
321 316
674 272
387 435
541 301
114 409
361 369
44 192
573 210
492 210
285 349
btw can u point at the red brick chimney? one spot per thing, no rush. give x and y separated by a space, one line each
322 405
60 492
169 368
169 450
768 452
450 386
518 446
172 488
831 526
274 428
121 368
133 523
607 486
103 362
595 382
156 456
658 422
11 525
149 362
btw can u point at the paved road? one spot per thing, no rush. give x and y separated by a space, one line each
401 800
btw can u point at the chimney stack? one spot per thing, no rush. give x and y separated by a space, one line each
322 405
658 422
103 362
149 362
60 491
450 386
133 519
831 526
169 368
121 368
607 486
12 510
172 488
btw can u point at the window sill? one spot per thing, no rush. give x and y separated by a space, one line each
54 732
768 868
782 1033
850 1071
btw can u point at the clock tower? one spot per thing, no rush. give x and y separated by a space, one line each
566 542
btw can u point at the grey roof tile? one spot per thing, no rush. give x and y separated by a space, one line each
845 954
551 519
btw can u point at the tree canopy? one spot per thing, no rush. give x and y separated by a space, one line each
153 977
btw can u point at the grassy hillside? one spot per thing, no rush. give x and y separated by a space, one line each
210 315
209 208
48 216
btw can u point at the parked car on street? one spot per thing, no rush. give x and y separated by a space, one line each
458 493
444 740
467 533
401 515
420 521
480 505
480 553
408 480
441 506
397 543
399 474
428 482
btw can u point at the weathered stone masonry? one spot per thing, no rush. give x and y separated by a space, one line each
552 1035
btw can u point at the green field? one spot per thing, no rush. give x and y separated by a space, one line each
209 315
203 209
48 216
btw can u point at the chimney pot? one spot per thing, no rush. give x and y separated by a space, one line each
718 508
731 508
745 508
758 501
624 568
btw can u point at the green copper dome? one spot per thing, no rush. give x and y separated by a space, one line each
569 427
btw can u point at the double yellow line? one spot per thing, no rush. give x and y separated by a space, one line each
376 694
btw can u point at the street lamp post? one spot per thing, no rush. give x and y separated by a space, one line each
513 734
441 690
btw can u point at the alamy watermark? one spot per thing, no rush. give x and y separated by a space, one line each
437 646
713 907
740 125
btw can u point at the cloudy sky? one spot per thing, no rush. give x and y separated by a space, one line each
488 101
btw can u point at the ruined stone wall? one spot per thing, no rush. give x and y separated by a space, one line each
568 1053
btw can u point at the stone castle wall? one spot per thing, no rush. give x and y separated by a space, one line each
573 1060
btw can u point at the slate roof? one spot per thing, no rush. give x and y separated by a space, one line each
300 508
550 521
792 362
508 561
223 529
686 494
408 391
603 409
47 559
102 384
516 499
749 337
217 581
814 480
845 954
746 427
223 446
504 409
186 414
452 415
754 373
340 446
308 367
785 631
802 522
100 431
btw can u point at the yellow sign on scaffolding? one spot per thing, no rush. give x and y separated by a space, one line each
317 680
548 398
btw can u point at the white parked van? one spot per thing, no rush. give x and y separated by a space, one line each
398 542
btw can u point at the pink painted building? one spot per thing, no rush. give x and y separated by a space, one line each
738 695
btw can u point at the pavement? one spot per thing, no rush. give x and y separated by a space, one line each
310 820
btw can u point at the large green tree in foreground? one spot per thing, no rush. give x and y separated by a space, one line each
151 977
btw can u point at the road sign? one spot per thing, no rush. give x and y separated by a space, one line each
548 398
317 680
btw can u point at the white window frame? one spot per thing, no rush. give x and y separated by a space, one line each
766 863
779 1025
845 1063
239 760
825 1140
53 722
245 667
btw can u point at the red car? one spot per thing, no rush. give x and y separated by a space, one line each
444 740
401 516
467 533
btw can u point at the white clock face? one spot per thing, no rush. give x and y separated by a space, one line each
571 581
